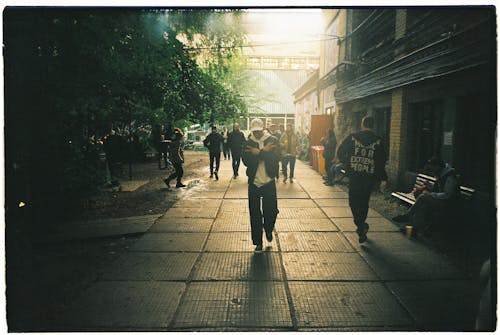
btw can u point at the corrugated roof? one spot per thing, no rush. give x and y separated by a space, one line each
280 86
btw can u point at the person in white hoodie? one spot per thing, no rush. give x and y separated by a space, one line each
262 161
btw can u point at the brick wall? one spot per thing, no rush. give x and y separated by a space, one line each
397 152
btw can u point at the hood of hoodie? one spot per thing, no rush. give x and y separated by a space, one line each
447 169
366 137
264 137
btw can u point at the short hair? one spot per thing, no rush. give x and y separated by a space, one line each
368 122
214 127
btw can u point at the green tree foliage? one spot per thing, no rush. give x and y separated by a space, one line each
72 73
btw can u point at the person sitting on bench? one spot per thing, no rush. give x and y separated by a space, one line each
441 197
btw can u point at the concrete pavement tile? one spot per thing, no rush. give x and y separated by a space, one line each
296 203
314 241
306 225
242 223
345 212
157 242
115 306
204 203
254 304
207 195
234 215
236 242
152 266
233 204
332 202
236 195
182 225
378 224
327 195
439 305
238 266
326 266
301 213
346 305
391 261
200 212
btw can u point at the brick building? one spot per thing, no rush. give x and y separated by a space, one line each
428 77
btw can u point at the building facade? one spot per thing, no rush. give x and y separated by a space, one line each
427 75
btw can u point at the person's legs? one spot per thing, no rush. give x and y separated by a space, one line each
212 157
217 161
284 164
329 170
421 210
359 197
179 171
236 162
292 166
254 196
269 207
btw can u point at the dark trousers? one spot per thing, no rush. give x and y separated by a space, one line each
225 149
285 161
328 167
214 156
360 189
236 161
178 173
263 205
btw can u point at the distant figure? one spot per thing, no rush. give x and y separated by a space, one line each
236 141
289 151
274 131
177 158
262 165
442 197
213 142
330 145
363 156
113 146
225 146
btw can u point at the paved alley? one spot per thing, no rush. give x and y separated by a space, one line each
195 270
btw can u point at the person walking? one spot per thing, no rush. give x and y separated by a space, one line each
363 156
330 145
176 155
213 142
262 165
289 150
236 141
225 146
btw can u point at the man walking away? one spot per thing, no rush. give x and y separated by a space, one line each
262 165
289 150
213 142
363 156
236 141
177 158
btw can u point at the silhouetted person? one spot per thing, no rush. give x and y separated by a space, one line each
262 165
289 151
213 142
225 146
363 156
442 197
236 141
177 158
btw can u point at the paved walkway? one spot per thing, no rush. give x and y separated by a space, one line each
195 269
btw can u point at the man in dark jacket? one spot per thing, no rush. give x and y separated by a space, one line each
262 166
236 140
442 197
364 157
177 158
213 142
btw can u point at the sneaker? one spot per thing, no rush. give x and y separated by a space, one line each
362 238
216 175
235 176
167 182
284 180
291 180
211 175
401 218
269 236
180 185
258 248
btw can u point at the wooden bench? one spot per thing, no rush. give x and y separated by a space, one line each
421 180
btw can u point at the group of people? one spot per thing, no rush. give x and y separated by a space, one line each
362 154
